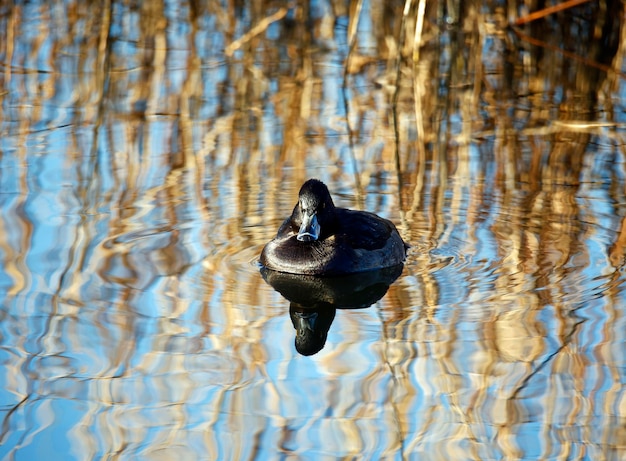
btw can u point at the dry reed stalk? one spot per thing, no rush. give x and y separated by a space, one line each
256 30
353 27
548 11
568 54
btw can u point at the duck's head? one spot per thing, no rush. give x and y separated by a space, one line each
315 212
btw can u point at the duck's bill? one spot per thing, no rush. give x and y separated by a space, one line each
309 229
304 322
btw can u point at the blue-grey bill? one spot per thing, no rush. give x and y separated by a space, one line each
309 229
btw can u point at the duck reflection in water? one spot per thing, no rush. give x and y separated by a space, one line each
314 300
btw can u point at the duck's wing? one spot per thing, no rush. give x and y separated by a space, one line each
286 228
364 230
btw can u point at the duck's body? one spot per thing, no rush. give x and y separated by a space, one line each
321 239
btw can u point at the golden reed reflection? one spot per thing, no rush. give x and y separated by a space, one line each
158 148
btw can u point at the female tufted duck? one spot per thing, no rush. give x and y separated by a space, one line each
322 239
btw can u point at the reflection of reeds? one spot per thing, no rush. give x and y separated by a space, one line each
191 131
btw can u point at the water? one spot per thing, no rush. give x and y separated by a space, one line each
142 170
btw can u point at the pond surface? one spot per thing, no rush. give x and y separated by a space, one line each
148 152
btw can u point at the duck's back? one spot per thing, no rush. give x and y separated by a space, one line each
371 241
363 230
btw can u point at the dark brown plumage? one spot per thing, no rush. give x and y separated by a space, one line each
322 239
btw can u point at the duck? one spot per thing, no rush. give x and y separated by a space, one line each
322 239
